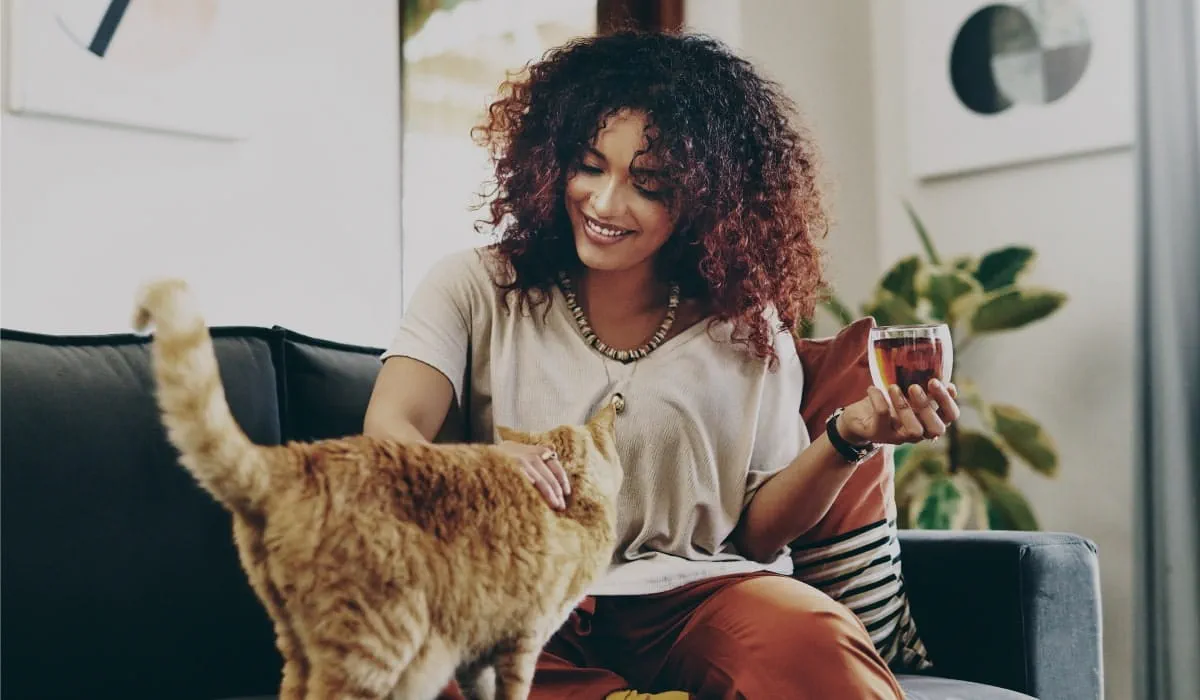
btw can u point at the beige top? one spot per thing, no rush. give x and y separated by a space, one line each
705 422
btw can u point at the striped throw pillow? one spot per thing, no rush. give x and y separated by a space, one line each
861 570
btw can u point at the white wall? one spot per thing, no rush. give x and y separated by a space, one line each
1074 371
798 43
297 225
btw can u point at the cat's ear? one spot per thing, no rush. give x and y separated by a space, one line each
507 434
605 419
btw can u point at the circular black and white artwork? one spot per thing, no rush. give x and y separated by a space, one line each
142 36
991 83
178 66
1032 53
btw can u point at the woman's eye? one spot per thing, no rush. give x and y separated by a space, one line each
651 189
590 169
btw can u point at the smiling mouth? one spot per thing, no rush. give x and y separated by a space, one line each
603 231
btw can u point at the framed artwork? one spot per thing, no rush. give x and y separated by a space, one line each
168 65
991 84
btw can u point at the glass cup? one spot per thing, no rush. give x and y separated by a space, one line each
907 355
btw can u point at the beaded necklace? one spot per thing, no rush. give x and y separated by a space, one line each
608 351
623 356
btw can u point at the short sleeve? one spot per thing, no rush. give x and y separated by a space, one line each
436 327
781 434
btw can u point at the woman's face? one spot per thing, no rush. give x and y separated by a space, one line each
618 214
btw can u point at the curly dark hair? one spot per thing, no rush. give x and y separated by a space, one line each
741 174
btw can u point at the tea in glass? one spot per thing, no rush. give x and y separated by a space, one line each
907 355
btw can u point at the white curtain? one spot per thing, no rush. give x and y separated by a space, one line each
1168 663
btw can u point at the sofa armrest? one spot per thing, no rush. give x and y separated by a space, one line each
1019 610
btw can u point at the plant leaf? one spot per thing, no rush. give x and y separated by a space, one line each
923 463
977 501
979 451
1002 267
967 263
965 305
901 280
942 507
1013 307
912 488
1025 436
900 454
839 309
1007 508
929 459
926 241
890 310
944 288
968 393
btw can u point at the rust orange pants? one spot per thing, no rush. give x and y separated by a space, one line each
751 637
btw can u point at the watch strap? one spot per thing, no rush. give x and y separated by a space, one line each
853 454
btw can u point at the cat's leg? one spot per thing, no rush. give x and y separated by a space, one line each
351 670
253 556
358 653
515 663
430 671
295 661
295 664
477 681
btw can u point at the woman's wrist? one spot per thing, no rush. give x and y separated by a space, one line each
848 433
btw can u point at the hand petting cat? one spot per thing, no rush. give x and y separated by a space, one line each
541 466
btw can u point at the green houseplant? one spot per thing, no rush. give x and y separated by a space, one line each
962 481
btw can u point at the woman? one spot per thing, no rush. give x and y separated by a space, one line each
658 216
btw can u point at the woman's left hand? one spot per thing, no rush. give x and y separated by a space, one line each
922 415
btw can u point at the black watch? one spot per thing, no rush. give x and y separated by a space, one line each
854 454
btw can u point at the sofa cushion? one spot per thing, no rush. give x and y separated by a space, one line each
327 385
120 576
853 553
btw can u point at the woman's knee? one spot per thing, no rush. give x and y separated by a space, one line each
777 635
784 615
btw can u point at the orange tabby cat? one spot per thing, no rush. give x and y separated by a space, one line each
388 568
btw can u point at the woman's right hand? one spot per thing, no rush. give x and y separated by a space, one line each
540 465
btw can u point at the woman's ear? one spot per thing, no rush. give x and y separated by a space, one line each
604 419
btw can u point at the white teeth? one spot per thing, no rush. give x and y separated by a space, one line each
605 231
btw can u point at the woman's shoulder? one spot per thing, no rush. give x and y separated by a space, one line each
470 271
473 264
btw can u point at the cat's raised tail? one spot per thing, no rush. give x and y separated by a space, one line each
199 424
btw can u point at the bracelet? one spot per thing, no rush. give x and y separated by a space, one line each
854 454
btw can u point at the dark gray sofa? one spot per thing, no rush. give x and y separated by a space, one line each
119 579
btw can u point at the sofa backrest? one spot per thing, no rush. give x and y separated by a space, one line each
120 578
327 386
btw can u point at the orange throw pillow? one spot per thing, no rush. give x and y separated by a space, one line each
853 553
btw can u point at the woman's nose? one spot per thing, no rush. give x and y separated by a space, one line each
606 200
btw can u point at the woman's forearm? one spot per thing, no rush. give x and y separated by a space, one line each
792 501
396 429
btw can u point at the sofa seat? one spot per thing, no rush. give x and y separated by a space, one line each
933 688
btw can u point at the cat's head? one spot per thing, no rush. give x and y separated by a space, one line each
586 451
